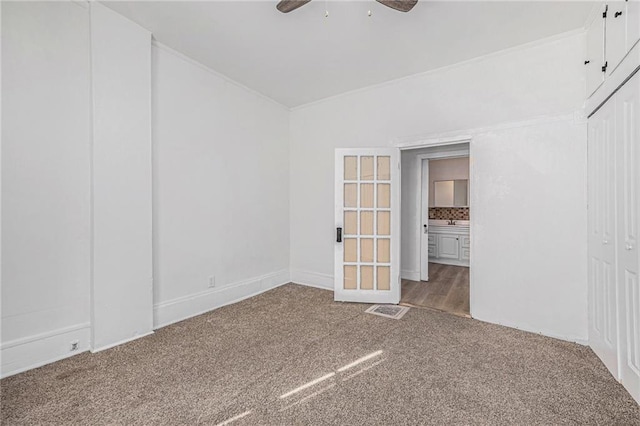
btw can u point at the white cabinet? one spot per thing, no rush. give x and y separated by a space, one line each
595 52
612 33
433 247
450 245
615 37
633 23
613 228
622 30
465 248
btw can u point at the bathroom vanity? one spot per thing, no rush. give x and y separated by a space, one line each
449 243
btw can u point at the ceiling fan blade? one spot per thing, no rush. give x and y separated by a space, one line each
401 5
286 6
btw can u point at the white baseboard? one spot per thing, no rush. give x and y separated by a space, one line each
35 351
179 309
451 262
410 275
121 342
312 279
547 333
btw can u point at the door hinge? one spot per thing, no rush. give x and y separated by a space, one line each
604 67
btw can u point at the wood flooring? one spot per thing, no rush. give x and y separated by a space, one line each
447 290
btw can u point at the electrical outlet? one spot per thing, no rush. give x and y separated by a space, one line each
212 281
74 346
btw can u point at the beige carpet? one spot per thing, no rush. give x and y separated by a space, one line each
251 361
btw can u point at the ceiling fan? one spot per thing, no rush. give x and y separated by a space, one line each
286 6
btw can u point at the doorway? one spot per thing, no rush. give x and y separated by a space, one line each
436 230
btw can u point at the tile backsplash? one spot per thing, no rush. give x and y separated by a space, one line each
449 213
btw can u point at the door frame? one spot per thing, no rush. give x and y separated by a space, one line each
423 206
438 142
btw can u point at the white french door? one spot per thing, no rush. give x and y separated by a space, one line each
367 221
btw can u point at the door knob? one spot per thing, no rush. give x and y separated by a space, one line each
426 228
629 247
605 242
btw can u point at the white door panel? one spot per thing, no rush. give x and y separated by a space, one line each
602 237
367 217
628 189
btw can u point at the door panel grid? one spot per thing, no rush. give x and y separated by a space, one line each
367 217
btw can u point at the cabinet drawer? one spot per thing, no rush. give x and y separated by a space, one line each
432 251
465 254
432 239
465 241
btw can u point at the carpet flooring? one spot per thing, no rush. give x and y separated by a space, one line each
292 356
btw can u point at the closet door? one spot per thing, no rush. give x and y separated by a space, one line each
628 190
603 328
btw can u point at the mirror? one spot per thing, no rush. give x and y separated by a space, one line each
451 193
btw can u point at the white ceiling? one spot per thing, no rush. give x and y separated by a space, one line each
302 56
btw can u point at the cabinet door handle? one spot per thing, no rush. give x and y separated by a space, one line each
618 13
338 235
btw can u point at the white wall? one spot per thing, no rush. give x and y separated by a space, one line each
528 219
45 182
219 185
221 191
242 189
122 307
545 79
